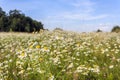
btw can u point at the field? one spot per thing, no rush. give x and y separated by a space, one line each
60 55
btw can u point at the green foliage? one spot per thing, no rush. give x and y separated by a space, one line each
116 29
17 22
3 19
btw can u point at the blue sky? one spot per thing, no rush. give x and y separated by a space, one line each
73 15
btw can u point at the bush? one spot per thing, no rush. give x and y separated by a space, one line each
116 29
58 29
99 30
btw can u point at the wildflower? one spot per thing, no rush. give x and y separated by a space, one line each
40 59
10 60
57 37
70 66
45 49
22 55
51 77
31 46
85 73
55 60
1 64
35 43
40 71
118 60
111 66
37 46
21 72
96 69
78 44
7 56
29 68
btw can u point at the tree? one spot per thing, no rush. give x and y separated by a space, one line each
15 13
116 29
3 19
18 22
99 30
2 13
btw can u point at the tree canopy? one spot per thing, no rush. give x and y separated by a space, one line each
16 21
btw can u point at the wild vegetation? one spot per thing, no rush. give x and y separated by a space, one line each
15 21
59 55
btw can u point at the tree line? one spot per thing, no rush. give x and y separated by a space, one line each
16 21
114 29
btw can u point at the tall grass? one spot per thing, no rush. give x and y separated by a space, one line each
59 55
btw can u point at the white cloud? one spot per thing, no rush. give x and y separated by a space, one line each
102 16
81 5
83 10
81 16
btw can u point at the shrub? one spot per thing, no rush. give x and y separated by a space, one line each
99 30
116 29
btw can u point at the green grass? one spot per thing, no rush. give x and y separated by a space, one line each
59 55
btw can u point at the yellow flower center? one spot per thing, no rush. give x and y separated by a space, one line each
37 46
40 59
31 46
22 54
45 48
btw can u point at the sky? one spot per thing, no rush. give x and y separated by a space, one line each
71 15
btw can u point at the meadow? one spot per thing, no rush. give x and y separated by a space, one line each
60 55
